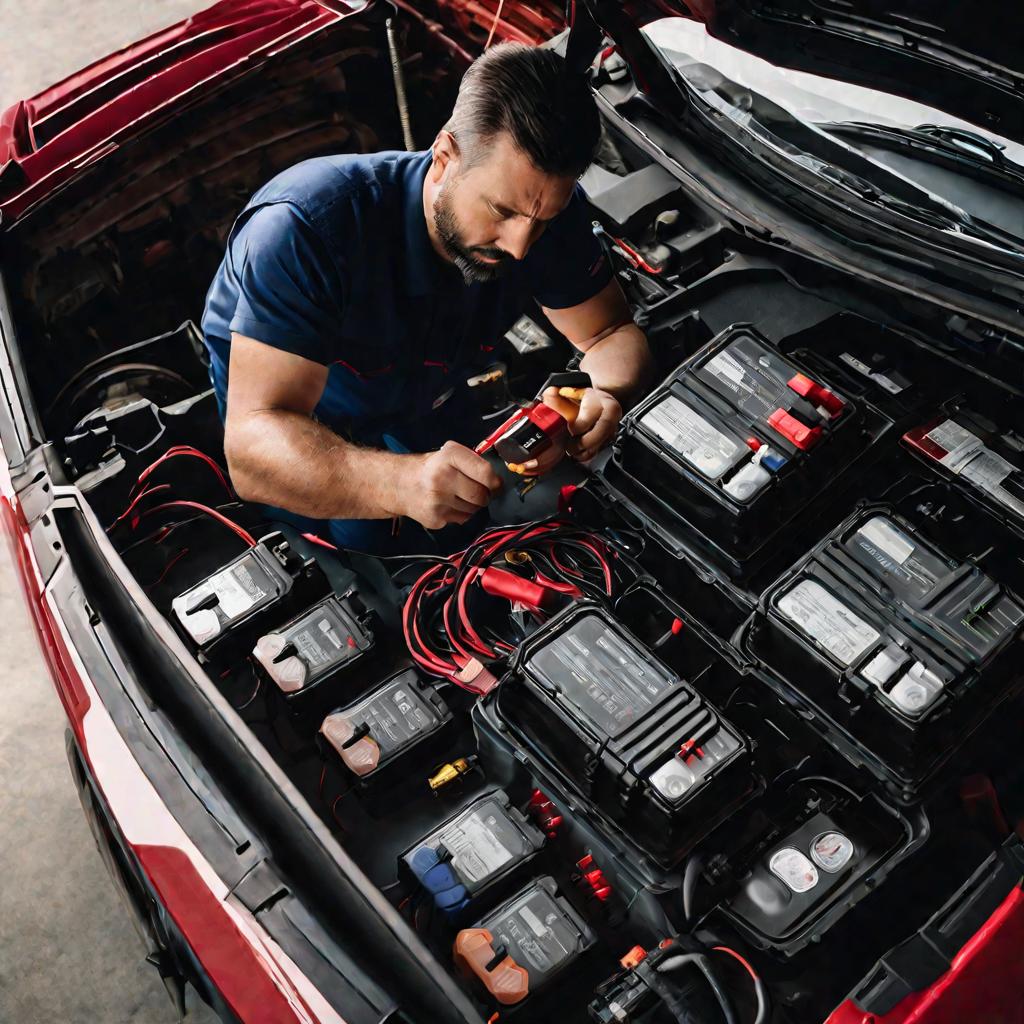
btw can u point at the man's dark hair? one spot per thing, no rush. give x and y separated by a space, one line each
530 93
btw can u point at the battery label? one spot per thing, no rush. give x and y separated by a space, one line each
685 431
957 442
894 556
237 589
828 621
325 637
987 470
308 642
968 457
477 851
751 376
610 682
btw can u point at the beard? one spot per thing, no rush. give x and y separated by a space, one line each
465 257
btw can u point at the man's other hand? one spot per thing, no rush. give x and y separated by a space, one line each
447 486
592 423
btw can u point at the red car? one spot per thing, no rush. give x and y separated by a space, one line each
748 748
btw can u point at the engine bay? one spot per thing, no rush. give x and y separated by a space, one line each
696 732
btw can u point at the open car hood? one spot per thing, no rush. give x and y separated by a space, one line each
966 59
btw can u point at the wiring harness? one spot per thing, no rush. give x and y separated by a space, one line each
138 509
470 610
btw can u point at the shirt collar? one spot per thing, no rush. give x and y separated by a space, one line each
421 260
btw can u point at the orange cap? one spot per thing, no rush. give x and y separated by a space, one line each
634 957
507 982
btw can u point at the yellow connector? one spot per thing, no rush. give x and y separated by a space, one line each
450 772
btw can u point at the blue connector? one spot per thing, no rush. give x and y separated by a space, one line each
439 879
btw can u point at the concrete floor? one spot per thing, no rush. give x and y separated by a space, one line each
68 952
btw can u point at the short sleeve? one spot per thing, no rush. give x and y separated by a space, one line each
568 264
289 288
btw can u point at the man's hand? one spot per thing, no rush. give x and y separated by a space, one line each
592 423
446 486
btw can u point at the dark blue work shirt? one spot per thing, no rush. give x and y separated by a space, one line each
331 260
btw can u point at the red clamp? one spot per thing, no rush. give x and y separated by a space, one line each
537 593
800 435
502 583
592 878
543 811
690 751
816 394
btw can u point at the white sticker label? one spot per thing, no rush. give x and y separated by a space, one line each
957 441
705 447
823 618
987 470
476 851
887 538
726 365
237 590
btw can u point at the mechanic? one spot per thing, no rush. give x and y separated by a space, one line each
358 292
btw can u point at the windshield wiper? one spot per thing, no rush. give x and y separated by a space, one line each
967 151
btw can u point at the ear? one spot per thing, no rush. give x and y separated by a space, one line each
446 154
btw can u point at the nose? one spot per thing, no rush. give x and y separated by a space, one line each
518 235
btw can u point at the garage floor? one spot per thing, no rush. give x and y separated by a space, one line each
68 952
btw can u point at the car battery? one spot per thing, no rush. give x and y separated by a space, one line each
799 884
486 843
615 724
895 647
734 444
516 952
316 649
372 737
223 615
984 461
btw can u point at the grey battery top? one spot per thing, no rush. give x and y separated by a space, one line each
243 586
484 840
603 675
903 562
540 931
397 714
752 377
976 611
326 636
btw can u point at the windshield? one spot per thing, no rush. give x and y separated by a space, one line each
891 142
810 98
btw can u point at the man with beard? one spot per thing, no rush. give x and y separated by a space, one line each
358 293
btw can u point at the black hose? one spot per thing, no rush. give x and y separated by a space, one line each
690 877
703 964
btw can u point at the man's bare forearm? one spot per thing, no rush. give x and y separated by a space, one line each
289 460
620 363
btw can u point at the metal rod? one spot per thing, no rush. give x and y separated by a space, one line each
396 70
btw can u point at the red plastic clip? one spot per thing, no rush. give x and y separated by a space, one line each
543 811
803 437
816 394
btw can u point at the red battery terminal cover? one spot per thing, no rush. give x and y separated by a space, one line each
543 811
797 433
816 394
592 878
504 979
